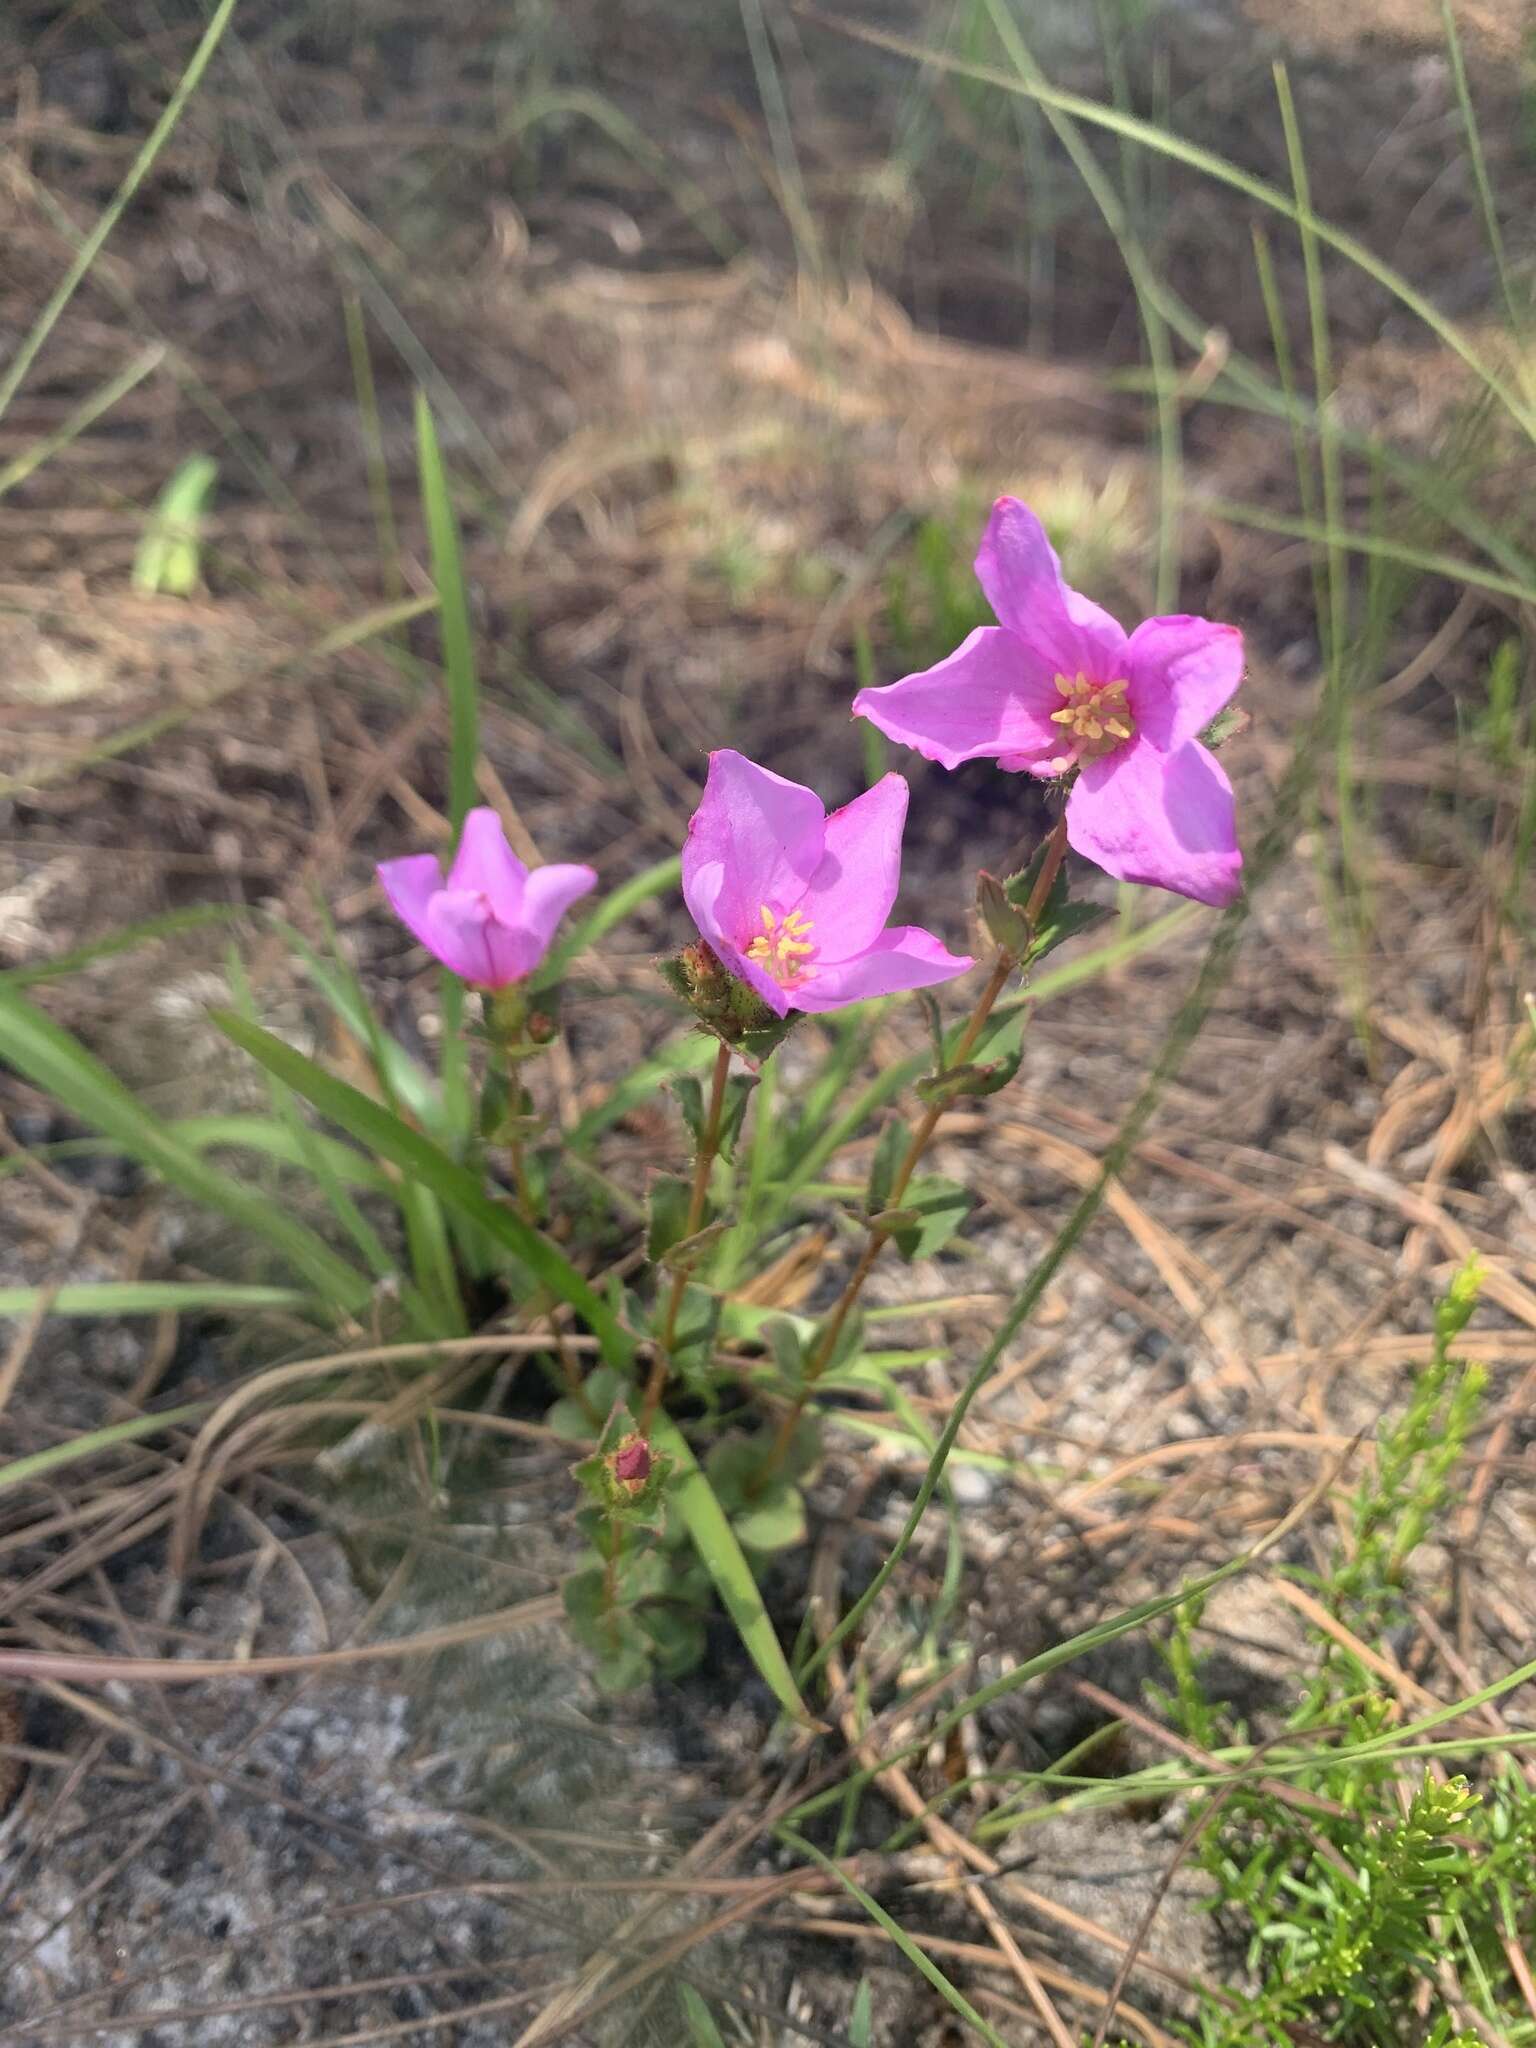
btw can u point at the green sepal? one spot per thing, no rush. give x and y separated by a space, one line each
984 1078
724 1006
635 1503
941 1205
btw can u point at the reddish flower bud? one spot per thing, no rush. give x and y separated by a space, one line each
631 1463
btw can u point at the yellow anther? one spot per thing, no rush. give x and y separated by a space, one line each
784 945
1095 714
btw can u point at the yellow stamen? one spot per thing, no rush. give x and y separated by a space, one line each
1095 714
784 945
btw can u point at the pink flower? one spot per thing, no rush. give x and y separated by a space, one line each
1058 686
793 902
491 921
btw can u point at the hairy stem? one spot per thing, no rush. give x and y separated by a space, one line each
704 1159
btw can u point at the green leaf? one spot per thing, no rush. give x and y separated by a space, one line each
970 1079
59 1064
1065 921
667 1201
453 608
783 1338
146 1298
677 1634
124 941
890 1149
698 1321
941 1205
388 1137
775 1521
723 1558
569 1419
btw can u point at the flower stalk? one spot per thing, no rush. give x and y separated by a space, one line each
704 1159
1004 966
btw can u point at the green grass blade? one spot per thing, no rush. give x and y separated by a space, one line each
124 941
920 1961
458 640
1223 172
612 910
60 1065
388 1137
722 1557
94 242
84 415
701 2023
147 1298
38 1463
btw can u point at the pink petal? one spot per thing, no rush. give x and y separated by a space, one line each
754 839
903 957
1017 568
459 930
485 862
991 697
851 892
1163 819
1182 672
549 895
410 884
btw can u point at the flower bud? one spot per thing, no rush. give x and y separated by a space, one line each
630 1463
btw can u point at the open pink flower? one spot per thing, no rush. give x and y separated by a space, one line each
492 920
1058 685
794 902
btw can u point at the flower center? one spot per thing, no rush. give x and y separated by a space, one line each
784 946
1096 717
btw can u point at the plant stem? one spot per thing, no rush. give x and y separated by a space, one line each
826 1344
704 1159
527 1208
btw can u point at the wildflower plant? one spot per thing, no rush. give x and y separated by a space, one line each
694 1418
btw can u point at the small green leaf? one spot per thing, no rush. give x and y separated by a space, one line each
667 1201
582 1424
1066 921
677 1634
1020 887
698 1319
1004 921
690 1252
942 1206
890 1149
784 1342
774 1521
971 1079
